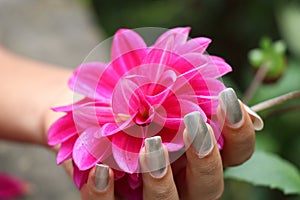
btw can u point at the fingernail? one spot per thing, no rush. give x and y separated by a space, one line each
198 133
258 123
231 108
155 157
101 176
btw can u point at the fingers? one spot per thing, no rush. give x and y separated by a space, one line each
238 130
100 184
158 180
204 171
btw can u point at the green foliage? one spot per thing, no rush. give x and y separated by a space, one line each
288 16
267 169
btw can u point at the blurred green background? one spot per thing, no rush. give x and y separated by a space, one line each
236 27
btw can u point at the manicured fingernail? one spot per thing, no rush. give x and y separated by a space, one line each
231 108
258 123
101 176
155 157
198 133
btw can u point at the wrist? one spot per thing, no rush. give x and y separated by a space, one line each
62 95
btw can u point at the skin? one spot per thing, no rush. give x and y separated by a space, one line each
25 117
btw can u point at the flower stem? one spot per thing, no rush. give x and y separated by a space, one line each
275 101
256 82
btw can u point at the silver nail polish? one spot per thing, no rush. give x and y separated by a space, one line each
198 133
101 176
231 107
155 157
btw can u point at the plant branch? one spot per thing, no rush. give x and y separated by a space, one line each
286 109
275 101
256 82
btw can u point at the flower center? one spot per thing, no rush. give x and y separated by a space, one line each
145 114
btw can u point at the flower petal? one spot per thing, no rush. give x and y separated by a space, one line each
92 113
61 130
134 180
172 138
126 150
179 36
197 45
12 187
67 108
86 78
126 40
65 151
160 60
117 69
80 177
90 148
128 51
118 174
125 98
207 66
113 128
82 157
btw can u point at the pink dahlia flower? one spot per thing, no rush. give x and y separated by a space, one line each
144 91
12 187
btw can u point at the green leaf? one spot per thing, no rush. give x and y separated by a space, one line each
266 169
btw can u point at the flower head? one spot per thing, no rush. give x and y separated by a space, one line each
143 91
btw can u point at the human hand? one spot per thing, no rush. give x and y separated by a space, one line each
199 174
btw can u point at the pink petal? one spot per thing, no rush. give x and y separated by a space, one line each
162 89
117 68
85 79
207 66
179 36
92 113
61 130
197 45
134 180
12 187
172 138
222 66
65 151
183 65
80 177
178 108
126 40
118 174
208 87
162 52
125 99
109 129
160 60
82 157
67 108
90 148
126 150
206 92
